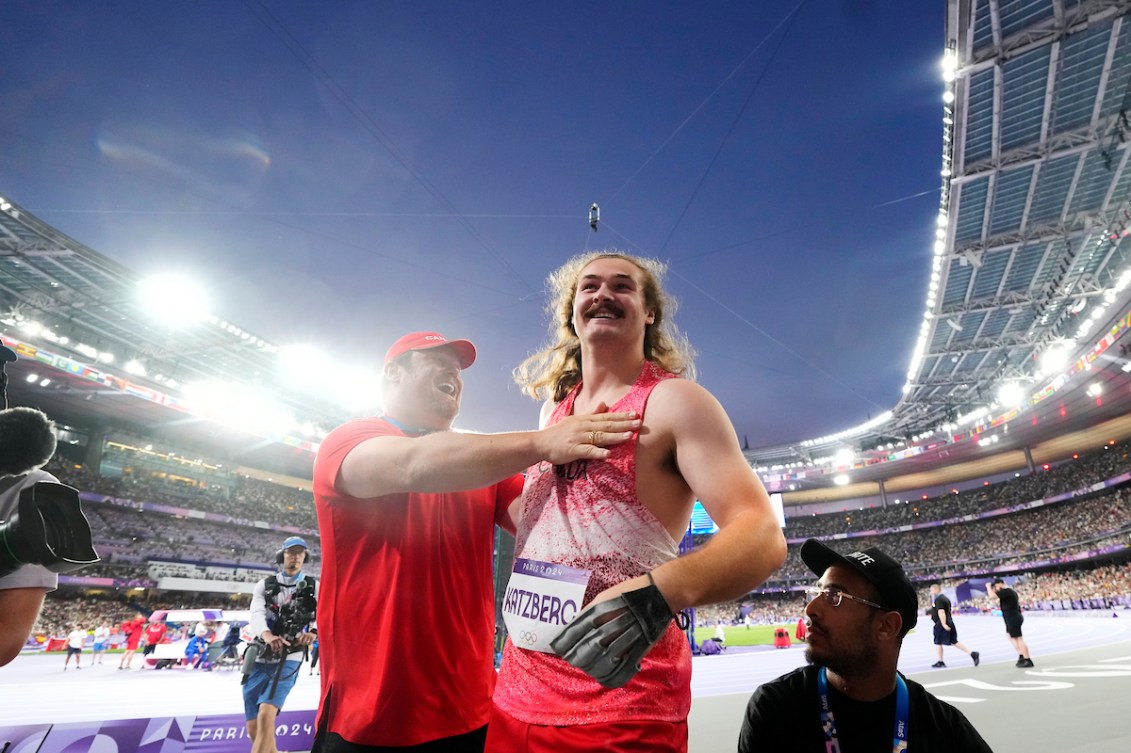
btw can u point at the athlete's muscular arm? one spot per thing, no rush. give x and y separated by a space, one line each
749 546
609 639
454 461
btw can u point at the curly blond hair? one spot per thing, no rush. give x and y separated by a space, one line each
555 369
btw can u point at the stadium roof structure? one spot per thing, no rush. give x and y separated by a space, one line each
71 310
1033 248
1035 206
1032 257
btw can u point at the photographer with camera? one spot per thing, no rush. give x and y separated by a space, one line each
282 619
42 526
22 590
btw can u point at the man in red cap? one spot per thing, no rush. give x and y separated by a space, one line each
407 510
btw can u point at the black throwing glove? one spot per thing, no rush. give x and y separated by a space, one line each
610 651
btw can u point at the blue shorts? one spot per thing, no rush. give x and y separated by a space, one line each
99 646
259 682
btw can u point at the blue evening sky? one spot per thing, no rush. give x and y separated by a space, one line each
341 172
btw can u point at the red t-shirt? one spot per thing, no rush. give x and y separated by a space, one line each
132 631
406 610
154 632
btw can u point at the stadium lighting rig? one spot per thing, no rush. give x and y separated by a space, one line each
174 299
1011 394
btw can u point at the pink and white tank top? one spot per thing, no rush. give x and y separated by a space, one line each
586 515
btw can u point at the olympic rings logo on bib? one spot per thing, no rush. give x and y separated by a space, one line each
541 598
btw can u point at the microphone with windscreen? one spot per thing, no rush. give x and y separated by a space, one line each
48 527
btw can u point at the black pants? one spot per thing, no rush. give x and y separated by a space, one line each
471 742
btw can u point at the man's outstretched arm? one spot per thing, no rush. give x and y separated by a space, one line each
454 461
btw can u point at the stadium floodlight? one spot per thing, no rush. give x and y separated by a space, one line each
949 63
174 300
87 350
841 479
844 457
1095 389
135 367
356 388
301 364
1011 394
1056 358
239 406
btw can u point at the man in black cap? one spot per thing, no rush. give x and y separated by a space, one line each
851 697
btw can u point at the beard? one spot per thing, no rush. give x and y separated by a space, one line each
444 409
850 657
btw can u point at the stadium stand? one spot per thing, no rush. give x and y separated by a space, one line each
1064 532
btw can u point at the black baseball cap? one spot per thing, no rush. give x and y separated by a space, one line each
885 574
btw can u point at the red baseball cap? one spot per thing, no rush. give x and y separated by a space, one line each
464 349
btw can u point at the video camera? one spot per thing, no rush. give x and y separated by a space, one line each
296 614
287 621
48 529
48 526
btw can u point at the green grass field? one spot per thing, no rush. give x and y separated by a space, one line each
740 635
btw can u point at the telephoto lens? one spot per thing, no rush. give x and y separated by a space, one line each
249 657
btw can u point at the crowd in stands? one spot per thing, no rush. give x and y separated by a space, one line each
133 537
1101 587
142 546
1056 532
64 610
251 500
275 502
1104 587
1065 477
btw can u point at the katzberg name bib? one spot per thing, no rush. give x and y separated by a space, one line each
541 599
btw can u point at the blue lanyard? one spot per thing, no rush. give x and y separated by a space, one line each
899 734
412 430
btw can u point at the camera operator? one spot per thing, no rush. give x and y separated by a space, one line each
282 619
24 446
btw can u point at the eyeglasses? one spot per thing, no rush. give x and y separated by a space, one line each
835 596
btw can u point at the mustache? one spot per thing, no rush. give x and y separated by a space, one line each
609 307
